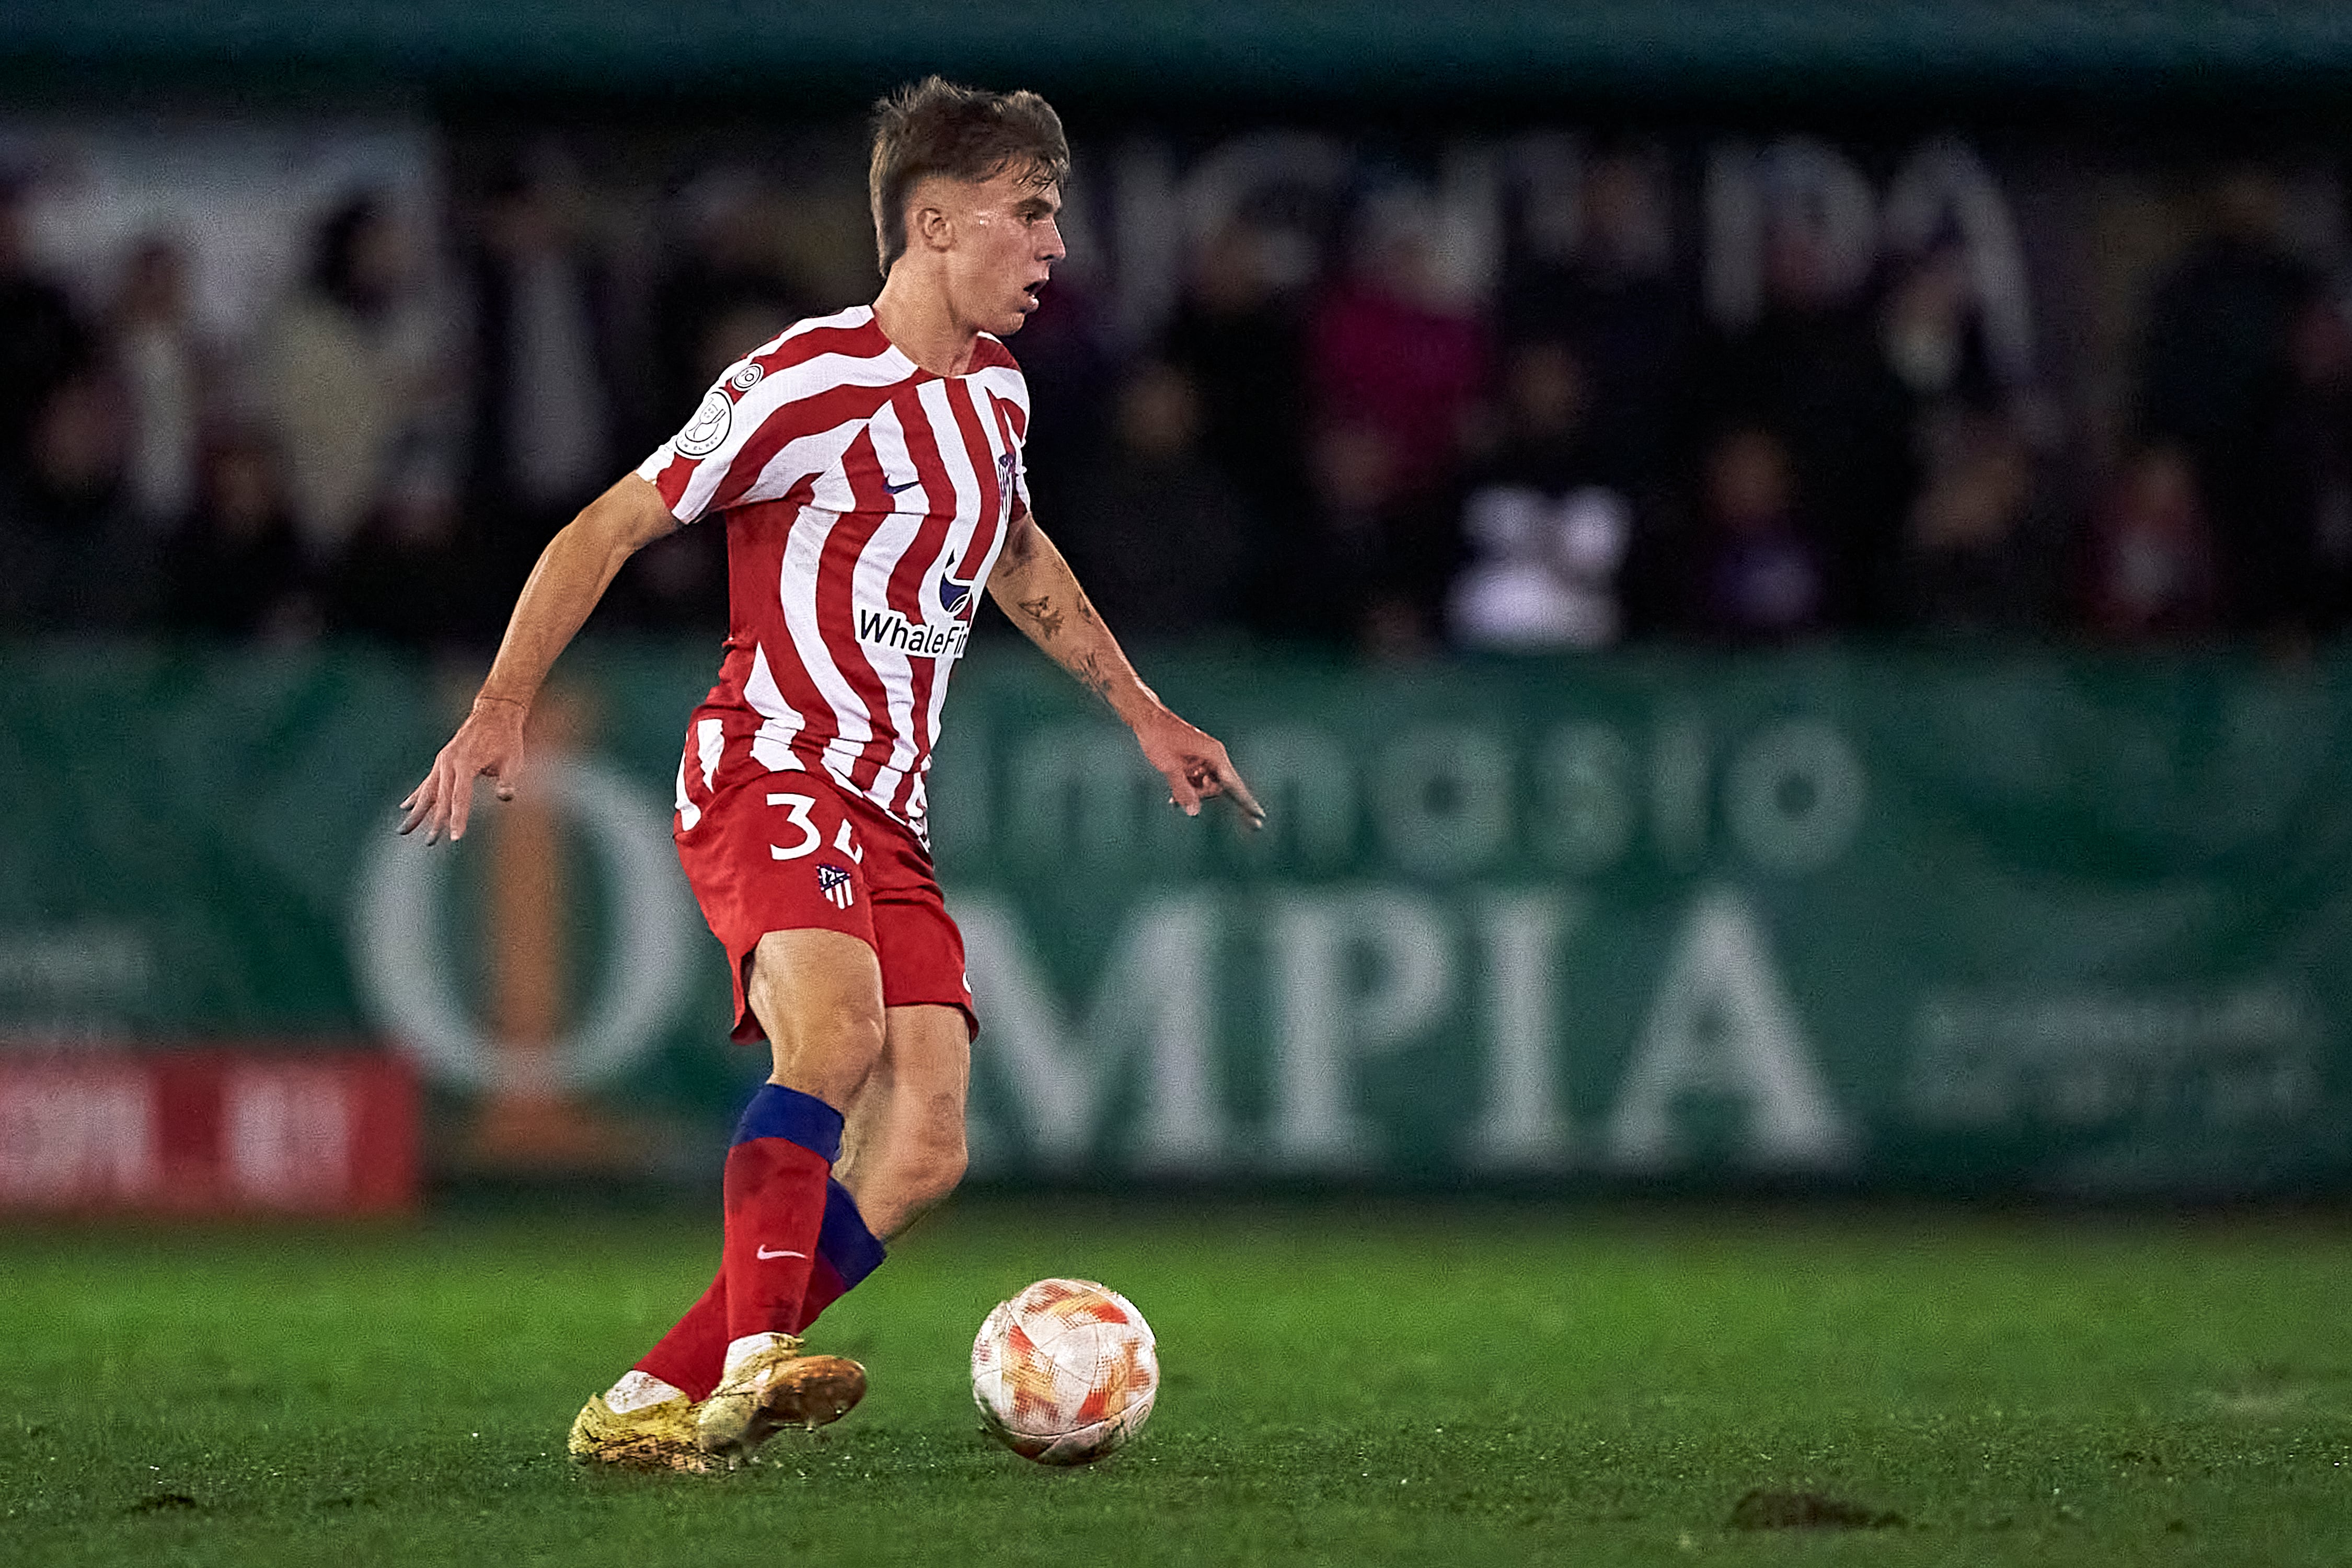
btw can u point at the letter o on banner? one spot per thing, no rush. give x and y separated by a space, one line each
1443 799
401 952
1794 796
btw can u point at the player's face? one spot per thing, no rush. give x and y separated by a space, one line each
1007 244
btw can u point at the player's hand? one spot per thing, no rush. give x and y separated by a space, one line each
1194 763
489 744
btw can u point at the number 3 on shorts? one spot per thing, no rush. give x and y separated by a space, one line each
796 812
796 809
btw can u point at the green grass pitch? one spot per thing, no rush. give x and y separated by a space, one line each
1346 1382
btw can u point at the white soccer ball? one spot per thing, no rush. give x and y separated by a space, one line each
1065 1373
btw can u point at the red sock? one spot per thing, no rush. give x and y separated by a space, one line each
775 1191
688 1356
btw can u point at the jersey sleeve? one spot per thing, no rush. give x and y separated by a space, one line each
1009 393
736 449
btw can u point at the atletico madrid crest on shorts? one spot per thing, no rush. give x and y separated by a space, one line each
834 883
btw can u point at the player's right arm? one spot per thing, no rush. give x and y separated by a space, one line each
572 575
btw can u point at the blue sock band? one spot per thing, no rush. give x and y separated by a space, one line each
802 1118
843 1240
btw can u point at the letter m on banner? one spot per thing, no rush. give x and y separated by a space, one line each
1056 1071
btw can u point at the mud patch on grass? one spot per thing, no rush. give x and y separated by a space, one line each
1762 1510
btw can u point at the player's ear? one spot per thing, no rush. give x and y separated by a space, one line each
928 222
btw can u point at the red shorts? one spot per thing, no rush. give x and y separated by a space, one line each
795 851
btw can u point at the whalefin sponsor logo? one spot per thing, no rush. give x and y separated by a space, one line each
955 598
889 629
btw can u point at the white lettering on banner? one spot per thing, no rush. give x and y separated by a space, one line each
1150 238
1306 779
72 986
1157 990
1325 1018
1523 1127
1585 784
1444 799
1722 1024
1364 971
2241 1059
73 1137
1439 802
1081 790
1800 187
285 1134
407 975
1794 796
55 965
1678 780
1291 192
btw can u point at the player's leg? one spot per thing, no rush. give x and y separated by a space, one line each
817 993
902 1150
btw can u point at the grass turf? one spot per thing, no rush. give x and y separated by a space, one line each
1373 1384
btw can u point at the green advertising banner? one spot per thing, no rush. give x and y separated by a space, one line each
1888 920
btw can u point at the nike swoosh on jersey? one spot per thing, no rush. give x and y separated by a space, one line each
765 1254
894 489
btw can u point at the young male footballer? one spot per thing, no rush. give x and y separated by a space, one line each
868 468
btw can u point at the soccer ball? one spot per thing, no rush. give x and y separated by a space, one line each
1065 1372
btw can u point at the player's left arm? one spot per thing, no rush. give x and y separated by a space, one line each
1035 587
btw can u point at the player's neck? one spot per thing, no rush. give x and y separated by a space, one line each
914 314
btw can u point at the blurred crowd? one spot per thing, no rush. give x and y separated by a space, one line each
1352 453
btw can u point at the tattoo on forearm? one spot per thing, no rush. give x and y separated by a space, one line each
1047 619
1089 670
1085 607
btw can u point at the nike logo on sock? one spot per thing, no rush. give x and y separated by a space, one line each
765 1254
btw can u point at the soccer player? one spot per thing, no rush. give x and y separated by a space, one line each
867 466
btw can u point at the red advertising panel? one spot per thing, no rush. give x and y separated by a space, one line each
217 1130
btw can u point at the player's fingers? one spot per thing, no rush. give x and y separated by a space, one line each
1181 793
1239 794
1213 773
506 773
416 808
460 805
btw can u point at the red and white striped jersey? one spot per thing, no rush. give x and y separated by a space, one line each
866 501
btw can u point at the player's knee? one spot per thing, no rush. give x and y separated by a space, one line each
931 1168
838 1046
946 1170
824 1046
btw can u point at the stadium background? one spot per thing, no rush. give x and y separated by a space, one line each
1959 811
1797 981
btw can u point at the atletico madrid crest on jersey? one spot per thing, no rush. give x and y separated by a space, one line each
834 883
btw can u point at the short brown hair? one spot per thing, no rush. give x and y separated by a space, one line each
935 127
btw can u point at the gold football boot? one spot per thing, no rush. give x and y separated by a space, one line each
772 1389
657 1438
